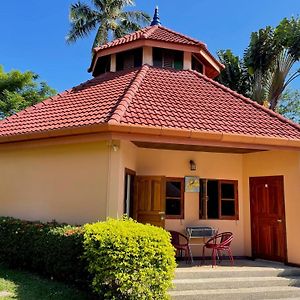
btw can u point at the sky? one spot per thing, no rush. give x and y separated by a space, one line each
32 32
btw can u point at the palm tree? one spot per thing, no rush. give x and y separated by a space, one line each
278 77
108 17
268 65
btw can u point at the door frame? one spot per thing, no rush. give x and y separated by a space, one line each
131 203
281 177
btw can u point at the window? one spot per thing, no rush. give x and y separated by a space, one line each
103 65
164 58
175 198
129 192
197 65
219 199
129 59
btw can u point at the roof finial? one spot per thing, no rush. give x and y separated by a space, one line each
156 20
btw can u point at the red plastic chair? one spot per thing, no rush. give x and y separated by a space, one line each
219 243
176 239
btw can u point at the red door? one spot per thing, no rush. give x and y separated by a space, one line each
268 218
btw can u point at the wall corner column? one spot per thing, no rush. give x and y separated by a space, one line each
113 63
113 179
147 56
187 60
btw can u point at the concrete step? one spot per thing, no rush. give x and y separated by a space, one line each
233 272
232 283
277 292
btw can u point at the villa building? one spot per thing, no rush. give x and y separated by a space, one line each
153 135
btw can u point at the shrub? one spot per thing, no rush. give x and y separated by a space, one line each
51 249
128 260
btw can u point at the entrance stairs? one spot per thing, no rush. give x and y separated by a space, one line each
246 280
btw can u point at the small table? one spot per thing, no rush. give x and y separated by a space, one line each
196 232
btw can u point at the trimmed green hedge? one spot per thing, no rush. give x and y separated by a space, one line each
50 249
129 260
119 259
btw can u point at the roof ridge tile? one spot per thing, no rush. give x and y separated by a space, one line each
149 31
247 100
128 96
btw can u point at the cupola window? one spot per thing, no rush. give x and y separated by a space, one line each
197 65
103 65
164 58
129 59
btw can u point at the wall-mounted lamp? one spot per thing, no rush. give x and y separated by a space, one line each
193 166
115 148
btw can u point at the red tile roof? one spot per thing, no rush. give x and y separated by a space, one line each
87 104
156 33
156 97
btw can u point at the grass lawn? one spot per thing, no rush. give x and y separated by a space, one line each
25 286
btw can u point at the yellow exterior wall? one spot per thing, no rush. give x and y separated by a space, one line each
122 155
62 182
222 166
78 183
277 163
209 165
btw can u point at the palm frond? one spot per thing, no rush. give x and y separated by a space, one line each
83 21
81 11
100 4
80 29
278 75
139 17
104 5
258 87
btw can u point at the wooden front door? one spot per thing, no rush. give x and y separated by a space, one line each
149 201
268 218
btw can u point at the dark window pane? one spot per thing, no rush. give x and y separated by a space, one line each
129 59
173 189
227 191
102 66
173 207
138 57
196 65
178 60
167 58
228 208
157 57
120 62
213 199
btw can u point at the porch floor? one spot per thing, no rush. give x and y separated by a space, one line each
247 279
238 263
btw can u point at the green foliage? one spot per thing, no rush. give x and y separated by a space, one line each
19 90
128 260
107 17
235 75
262 50
267 63
287 35
50 249
289 105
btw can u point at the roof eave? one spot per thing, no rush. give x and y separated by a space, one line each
164 135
